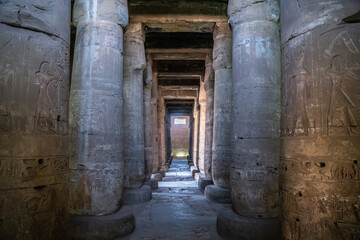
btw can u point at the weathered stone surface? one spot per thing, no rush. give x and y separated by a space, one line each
222 105
137 195
111 226
96 162
152 183
134 64
320 121
50 17
148 120
157 176
113 11
203 182
34 95
256 108
162 172
233 226
202 125
154 121
209 88
218 194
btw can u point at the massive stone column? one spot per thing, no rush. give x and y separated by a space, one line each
148 117
34 94
209 117
202 119
196 134
256 122
148 125
154 120
96 161
220 167
320 174
134 65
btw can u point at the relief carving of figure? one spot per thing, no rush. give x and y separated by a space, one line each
340 108
8 83
297 97
46 109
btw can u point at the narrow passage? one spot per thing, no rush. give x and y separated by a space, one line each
178 210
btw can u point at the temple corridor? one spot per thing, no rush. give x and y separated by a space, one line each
178 209
180 119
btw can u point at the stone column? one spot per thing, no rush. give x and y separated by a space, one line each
148 124
148 117
154 121
134 65
319 164
196 134
96 161
202 119
256 122
34 94
221 151
209 90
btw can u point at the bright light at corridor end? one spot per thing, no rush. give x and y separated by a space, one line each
180 121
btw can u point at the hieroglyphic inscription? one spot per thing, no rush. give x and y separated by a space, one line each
298 94
340 76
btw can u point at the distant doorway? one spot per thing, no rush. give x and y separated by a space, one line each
180 135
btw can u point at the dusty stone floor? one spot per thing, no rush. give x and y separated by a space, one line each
178 210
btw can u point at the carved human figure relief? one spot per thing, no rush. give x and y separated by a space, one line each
297 97
340 113
46 110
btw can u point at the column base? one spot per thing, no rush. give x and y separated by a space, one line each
233 226
203 182
137 195
218 194
157 176
162 172
111 226
152 183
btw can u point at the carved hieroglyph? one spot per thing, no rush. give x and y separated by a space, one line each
319 163
34 92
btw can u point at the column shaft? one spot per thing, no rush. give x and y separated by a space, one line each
209 88
320 174
256 108
96 161
134 64
202 125
154 122
148 118
222 105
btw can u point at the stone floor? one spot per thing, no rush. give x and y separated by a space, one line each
178 210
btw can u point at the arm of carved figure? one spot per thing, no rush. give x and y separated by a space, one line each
354 72
347 97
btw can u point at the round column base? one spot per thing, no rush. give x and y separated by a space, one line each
218 194
233 226
137 195
111 226
152 183
203 182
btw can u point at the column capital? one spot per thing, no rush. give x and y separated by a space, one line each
134 54
209 73
148 77
115 11
240 11
222 46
